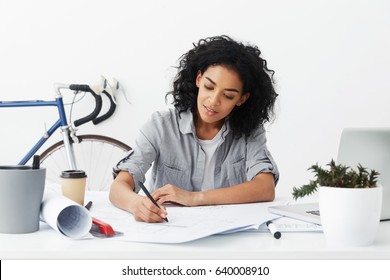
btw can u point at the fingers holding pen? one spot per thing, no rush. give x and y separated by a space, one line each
163 215
147 211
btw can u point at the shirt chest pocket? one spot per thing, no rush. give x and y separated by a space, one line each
234 169
172 172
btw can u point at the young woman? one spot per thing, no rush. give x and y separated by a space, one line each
211 148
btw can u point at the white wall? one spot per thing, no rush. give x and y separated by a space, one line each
331 60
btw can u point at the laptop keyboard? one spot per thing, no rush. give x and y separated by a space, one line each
314 212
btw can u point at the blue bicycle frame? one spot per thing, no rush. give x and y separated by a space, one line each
60 123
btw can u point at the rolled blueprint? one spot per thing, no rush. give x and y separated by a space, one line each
65 215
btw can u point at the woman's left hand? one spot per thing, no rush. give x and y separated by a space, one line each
171 193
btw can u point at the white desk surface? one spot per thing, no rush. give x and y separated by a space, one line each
49 244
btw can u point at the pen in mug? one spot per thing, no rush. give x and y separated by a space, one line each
36 161
88 205
150 196
274 231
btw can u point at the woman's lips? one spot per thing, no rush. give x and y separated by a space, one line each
209 111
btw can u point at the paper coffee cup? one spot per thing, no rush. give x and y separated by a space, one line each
73 184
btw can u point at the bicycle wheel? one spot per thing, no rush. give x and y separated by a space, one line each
95 154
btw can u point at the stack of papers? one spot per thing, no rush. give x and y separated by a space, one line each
185 223
191 223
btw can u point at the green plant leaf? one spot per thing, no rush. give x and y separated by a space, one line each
337 175
304 190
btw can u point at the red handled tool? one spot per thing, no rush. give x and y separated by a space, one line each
103 227
100 228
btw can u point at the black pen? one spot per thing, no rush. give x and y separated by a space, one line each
274 231
150 196
88 205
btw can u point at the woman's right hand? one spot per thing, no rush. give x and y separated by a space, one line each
122 195
146 211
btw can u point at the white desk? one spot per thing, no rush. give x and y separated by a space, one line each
49 244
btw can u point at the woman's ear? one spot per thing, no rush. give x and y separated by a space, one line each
243 98
198 77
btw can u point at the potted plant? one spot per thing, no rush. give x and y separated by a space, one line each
350 202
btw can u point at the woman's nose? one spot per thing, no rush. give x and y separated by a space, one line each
214 99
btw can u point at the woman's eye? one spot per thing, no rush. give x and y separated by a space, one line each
229 97
208 87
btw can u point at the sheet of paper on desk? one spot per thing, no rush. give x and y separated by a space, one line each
185 223
285 224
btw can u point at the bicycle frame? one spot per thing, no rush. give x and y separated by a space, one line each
60 123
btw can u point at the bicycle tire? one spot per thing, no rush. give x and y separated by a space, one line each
95 154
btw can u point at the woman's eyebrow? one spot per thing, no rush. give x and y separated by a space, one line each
228 89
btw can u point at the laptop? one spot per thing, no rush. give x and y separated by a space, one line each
368 146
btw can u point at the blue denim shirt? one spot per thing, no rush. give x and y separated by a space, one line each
168 142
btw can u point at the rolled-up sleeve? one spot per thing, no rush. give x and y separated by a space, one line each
259 159
138 161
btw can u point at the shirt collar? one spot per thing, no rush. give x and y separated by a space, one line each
186 124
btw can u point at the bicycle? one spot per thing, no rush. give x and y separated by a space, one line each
95 154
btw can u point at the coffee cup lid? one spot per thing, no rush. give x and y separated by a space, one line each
73 174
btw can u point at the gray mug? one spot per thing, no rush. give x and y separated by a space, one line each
21 193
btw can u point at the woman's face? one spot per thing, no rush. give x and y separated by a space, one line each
220 90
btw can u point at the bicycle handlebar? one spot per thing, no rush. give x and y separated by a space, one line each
85 88
108 113
98 104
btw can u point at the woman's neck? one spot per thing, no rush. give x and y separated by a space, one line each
207 131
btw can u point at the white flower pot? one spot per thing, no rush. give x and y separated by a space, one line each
350 217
